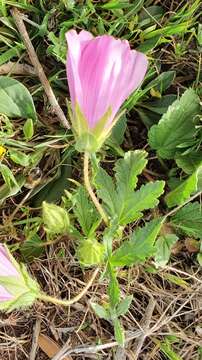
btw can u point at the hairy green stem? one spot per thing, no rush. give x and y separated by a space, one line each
75 299
90 190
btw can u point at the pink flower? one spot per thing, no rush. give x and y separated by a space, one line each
6 269
102 72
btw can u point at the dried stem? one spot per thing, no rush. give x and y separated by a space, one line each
90 190
38 68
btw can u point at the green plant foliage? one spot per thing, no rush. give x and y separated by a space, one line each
176 126
140 245
85 212
15 99
121 201
163 248
183 191
189 220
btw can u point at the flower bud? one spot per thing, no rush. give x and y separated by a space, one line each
55 218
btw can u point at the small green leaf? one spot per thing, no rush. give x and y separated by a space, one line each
140 245
106 190
28 129
15 99
183 191
6 191
161 82
176 125
8 176
168 351
85 211
163 248
113 289
189 219
118 131
100 311
124 305
32 247
19 157
119 332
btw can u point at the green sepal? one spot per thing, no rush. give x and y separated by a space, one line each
87 142
91 252
55 218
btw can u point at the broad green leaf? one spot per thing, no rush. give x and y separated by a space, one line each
6 191
189 162
119 332
15 99
124 305
8 175
176 125
28 129
19 157
145 198
127 170
140 245
189 219
100 311
85 211
163 248
183 191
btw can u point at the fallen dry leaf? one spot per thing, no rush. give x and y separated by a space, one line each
49 346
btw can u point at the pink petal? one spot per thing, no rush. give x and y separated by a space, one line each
4 295
76 42
6 266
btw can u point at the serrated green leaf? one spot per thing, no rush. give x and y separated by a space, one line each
189 219
145 198
189 162
106 190
140 245
100 311
32 247
119 332
163 248
15 99
183 191
176 125
124 305
85 211
127 170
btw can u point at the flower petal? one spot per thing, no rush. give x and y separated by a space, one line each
4 295
75 42
6 266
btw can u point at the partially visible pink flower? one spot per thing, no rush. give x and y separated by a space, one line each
6 269
102 72
17 289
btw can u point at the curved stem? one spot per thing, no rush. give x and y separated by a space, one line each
75 299
90 190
